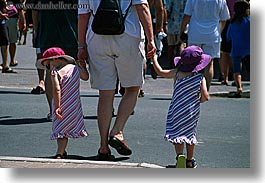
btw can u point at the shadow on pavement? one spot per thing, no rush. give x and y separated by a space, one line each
22 121
15 92
92 158
158 98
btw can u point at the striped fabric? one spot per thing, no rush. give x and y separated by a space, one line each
72 124
184 110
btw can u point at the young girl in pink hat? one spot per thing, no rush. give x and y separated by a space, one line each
189 91
67 114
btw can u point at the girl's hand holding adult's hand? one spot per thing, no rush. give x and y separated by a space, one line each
151 49
82 54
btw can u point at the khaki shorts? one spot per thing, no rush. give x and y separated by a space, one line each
12 29
213 50
117 56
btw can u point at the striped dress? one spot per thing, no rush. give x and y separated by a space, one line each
184 110
72 123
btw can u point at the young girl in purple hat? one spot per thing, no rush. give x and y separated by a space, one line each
189 91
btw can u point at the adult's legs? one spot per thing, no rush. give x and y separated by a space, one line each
48 89
208 73
4 53
12 53
238 81
105 108
125 109
225 65
40 74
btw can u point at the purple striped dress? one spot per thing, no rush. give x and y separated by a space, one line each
72 124
184 110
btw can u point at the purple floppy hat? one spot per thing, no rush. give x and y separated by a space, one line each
192 59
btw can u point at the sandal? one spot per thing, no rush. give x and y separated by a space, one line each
181 161
8 70
120 145
61 156
193 163
13 64
105 157
38 90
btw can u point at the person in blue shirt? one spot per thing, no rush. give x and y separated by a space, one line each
239 33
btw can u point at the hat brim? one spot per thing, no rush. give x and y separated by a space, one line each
39 62
205 60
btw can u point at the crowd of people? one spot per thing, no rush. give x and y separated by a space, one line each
66 47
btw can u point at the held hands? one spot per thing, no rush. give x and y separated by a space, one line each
151 49
82 54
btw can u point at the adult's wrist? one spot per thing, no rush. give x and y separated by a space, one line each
82 46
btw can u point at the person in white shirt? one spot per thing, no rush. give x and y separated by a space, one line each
115 56
206 19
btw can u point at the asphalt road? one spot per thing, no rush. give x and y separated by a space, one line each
223 130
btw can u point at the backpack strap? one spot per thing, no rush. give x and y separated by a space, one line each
127 10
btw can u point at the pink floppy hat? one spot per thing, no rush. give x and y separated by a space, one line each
192 59
51 53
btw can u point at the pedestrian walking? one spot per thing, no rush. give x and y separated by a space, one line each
206 19
67 114
53 28
239 33
175 12
4 39
111 57
12 25
189 91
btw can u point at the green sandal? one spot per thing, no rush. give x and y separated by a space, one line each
181 161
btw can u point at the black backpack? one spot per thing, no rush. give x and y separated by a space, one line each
109 19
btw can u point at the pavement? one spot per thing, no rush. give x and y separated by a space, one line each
26 78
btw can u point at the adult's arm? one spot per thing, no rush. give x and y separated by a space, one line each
144 15
82 29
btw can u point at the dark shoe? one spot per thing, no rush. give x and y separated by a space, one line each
105 157
235 95
153 72
61 156
13 64
141 93
120 146
221 77
224 83
8 70
193 163
38 90
233 83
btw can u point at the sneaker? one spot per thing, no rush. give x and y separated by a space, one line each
193 163
181 161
